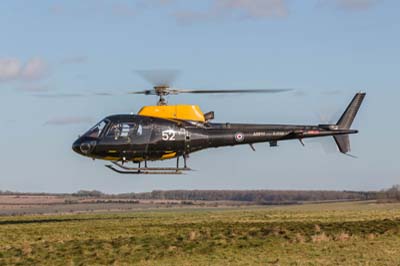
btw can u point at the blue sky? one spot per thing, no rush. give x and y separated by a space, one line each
329 49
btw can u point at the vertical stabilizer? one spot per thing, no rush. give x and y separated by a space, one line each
348 116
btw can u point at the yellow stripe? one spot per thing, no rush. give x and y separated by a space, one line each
110 158
168 156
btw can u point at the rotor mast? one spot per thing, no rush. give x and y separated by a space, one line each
161 92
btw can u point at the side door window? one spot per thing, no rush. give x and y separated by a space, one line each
122 131
142 132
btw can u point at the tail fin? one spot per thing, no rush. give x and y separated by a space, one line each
345 121
348 116
343 143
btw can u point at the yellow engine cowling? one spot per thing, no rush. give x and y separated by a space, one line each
181 112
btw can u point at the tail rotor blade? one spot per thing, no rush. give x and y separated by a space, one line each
328 115
327 144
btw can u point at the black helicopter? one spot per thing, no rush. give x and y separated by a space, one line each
164 131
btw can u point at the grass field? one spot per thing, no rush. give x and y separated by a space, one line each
357 233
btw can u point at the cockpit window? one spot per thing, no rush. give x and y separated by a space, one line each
121 130
96 131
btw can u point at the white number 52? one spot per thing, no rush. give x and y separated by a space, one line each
168 135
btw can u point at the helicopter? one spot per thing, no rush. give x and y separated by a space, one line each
162 132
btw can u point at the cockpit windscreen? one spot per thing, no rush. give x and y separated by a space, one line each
96 131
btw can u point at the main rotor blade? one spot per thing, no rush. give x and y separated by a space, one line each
145 92
177 91
159 77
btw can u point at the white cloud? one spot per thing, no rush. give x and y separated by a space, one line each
13 69
34 69
9 69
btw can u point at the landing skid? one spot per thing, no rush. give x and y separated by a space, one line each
121 169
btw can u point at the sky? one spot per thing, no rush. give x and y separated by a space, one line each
55 56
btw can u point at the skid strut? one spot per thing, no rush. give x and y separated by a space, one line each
121 169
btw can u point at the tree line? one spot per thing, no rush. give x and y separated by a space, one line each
259 196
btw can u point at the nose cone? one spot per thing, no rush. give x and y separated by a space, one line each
84 146
76 146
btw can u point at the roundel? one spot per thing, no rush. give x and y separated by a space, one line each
239 137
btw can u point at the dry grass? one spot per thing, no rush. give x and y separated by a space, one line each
325 234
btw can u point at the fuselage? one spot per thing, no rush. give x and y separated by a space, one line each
138 138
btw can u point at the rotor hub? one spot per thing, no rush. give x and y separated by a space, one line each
161 92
